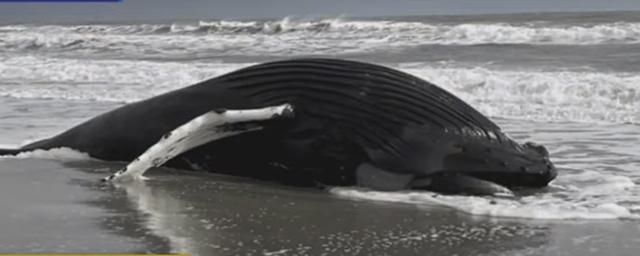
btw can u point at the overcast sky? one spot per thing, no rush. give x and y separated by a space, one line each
130 10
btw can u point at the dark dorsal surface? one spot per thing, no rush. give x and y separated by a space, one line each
385 111
398 96
346 113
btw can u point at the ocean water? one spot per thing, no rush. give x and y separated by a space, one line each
570 81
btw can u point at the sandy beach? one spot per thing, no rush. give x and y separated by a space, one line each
60 206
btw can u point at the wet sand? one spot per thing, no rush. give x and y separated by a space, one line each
60 206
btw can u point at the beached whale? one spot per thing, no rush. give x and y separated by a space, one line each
315 122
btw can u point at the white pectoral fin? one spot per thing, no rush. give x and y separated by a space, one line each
203 129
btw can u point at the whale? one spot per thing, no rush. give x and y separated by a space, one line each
314 122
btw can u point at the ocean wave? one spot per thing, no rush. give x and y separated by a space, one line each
99 80
528 94
288 36
541 95
435 33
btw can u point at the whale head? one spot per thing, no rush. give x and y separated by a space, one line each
517 165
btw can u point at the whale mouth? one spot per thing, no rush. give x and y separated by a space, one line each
459 183
523 166
484 183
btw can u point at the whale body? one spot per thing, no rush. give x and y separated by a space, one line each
353 123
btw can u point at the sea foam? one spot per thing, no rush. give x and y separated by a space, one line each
608 203
297 37
55 153
529 94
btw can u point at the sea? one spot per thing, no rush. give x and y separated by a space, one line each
569 81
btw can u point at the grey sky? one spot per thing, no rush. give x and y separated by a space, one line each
234 9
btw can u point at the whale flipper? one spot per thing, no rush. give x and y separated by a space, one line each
213 125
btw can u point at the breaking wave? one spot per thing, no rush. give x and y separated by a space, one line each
541 95
289 36
536 95
463 33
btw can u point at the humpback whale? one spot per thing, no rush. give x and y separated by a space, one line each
315 122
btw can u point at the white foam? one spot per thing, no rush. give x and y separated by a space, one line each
55 153
297 37
540 95
582 189
523 94
548 205
99 80
463 33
